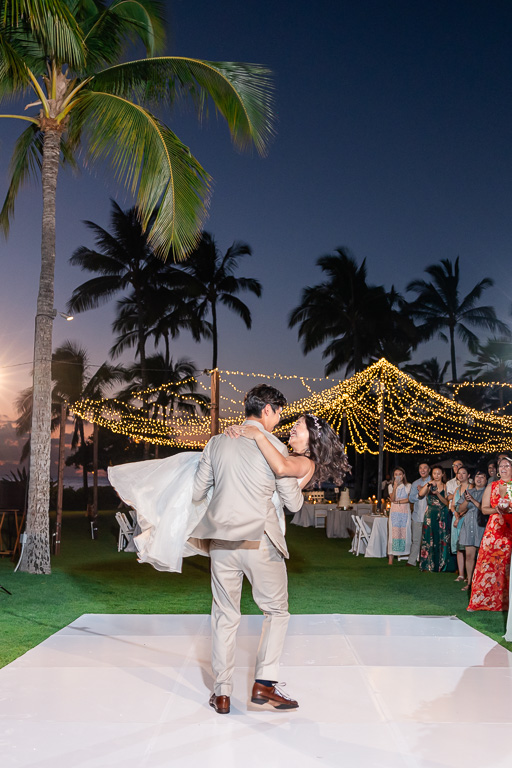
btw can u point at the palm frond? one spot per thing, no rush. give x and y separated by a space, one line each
52 24
26 161
469 301
237 306
170 186
242 93
93 293
14 77
91 261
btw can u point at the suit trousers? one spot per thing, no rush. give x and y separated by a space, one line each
265 569
417 531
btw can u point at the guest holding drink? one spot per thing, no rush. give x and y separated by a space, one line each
399 531
471 531
435 554
418 511
490 587
458 496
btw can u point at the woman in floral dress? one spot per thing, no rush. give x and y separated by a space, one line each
490 587
435 554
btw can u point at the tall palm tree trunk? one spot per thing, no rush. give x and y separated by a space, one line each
452 353
36 554
214 334
85 474
142 359
60 478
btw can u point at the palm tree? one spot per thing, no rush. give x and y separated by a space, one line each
211 281
438 306
492 363
166 313
343 312
429 372
71 54
123 259
73 380
176 384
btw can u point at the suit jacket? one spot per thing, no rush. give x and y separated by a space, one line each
241 507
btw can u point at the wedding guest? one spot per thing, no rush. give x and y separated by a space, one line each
458 496
435 552
451 488
492 472
418 512
451 485
489 590
399 529
471 532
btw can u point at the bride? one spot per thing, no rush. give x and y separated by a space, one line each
160 491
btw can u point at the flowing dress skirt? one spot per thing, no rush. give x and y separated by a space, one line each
490 585
160 492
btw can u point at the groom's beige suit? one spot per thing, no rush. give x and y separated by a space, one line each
246 537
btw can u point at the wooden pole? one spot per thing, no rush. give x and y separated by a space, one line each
95 441
214 381
380 468
60 479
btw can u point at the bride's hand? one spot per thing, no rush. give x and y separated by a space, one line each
233 430
251 433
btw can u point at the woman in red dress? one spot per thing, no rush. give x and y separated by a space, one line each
490 586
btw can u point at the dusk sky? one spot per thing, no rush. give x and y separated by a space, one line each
393 139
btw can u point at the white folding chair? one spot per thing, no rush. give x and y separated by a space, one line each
362 535
320 517
125 531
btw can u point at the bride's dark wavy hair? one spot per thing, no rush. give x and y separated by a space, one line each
326 450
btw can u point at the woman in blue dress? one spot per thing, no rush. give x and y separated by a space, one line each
470 529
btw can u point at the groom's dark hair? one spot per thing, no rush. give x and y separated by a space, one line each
258 397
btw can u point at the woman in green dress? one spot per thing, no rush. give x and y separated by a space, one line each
435 551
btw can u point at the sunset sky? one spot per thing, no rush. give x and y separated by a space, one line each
393 139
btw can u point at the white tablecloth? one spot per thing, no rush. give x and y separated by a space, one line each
378 544
306 516
339 523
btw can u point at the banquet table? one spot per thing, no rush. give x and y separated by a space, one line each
378 542
339 523
305 517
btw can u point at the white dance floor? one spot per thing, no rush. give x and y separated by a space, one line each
132 691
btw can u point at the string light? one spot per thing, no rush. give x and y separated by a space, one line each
417 419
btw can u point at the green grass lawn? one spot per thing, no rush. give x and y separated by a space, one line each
92 577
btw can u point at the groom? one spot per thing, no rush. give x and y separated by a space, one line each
246 537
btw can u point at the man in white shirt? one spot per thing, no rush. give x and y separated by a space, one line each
418 512
451 485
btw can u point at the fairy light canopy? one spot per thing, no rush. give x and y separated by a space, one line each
417 419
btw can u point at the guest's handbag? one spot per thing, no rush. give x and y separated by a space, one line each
481 519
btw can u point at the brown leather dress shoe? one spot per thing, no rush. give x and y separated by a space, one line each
269 694
220 704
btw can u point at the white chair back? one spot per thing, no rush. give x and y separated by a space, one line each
320 517
362 536
125 531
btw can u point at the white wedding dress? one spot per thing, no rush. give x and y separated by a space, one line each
160 493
